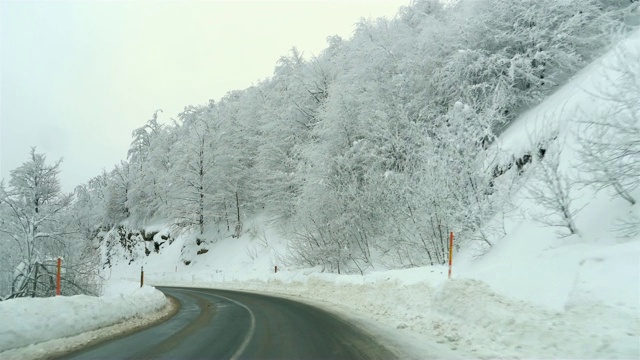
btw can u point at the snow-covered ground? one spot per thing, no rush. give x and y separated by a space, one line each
534 295
41 327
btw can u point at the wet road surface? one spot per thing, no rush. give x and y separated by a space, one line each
221 324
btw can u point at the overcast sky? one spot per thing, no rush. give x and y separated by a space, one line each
78 77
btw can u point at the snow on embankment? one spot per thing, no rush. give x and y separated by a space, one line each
454 318
28 321
597 265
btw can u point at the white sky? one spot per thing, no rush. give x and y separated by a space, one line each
78 77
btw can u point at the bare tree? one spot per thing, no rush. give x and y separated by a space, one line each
550 187
609 141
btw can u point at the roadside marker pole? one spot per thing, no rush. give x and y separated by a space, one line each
58 277
450 252
276 268
141 276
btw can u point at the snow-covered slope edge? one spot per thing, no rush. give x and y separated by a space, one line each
598 265
36 320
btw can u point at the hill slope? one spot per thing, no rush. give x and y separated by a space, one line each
535 294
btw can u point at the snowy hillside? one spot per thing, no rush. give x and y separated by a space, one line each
546 288
535 294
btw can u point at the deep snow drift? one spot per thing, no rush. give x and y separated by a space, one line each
535 294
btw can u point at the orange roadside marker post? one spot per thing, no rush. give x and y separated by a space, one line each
58 276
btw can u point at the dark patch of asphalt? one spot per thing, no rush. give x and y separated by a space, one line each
222 324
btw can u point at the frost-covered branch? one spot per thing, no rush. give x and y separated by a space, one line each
550 188
609 139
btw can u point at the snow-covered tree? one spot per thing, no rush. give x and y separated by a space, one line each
117 193
507 54
33 204
291 103
191 196
145 197
236 153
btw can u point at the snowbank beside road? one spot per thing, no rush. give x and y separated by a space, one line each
463 316
28 321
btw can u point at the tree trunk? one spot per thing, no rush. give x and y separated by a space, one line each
238 206
226 214
201 220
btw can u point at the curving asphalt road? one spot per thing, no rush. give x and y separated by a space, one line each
220 324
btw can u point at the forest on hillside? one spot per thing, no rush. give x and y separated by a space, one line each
368 153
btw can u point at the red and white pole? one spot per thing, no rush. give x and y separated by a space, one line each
450 252
58 293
